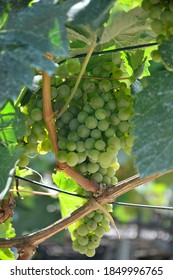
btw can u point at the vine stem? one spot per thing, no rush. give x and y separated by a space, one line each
84 65
27 244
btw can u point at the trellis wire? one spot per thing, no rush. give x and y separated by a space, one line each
74 194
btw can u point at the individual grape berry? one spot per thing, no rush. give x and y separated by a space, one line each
23 161
92 167
73 65
90 253
82 229
71 146
36 114
91 122
97 177
100 231
97 102
82 249
61 157
89 143
83 240
100 114
103 125
82 116
100 145
105 85
83 131
91 225
98 217
93 155
96 133
95 239
72 159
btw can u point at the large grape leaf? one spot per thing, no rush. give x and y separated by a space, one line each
25 39
153 125
126 29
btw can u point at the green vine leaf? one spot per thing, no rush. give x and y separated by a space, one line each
126 28
26 39
6 231
154 136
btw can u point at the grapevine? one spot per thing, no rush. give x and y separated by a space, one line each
77 92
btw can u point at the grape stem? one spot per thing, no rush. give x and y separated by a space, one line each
83 68
27 244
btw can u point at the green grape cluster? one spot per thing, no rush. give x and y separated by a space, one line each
35 140
87 235
96 124
91 131
161 15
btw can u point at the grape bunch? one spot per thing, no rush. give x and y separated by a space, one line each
88 234
161 15
35 140
96 124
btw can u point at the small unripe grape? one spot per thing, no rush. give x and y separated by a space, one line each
103 125
82 249
67 117
124 114
82 116
105 158
83 131
72 159
83 240
100 145
100 231
100 114
75 245
74 124
23 161
83 168
97 102
73 65
93 155
98 217
111 105
92 167
36 114
73 136
105 85
90 253
157 26
96 133
108 66
82 230
95 239
80 146
97 177
46 145
91 122
61 157
117 73
91 225
71 146
82 157
155 55
89 143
